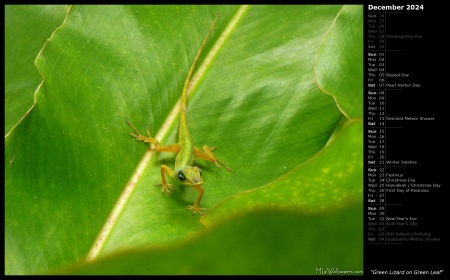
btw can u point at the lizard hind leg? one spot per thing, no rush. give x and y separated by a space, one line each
209 150
142 138
208 155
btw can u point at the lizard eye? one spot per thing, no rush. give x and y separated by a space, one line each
200 171
181 176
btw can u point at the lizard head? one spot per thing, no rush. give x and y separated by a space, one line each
189 176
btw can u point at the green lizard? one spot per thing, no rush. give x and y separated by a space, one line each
185 173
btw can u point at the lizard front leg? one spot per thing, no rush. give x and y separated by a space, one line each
166 187
196 207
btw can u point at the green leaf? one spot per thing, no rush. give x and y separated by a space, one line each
78 186
265 242
330 179
340 61
26 30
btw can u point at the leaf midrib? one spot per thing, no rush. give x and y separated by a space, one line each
162 132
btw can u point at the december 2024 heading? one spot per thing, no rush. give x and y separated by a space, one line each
394 7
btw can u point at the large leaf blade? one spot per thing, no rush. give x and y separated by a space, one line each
108 63
329 180
26 30
265 242
339 66
252 137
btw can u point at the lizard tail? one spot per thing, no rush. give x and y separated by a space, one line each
191 70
